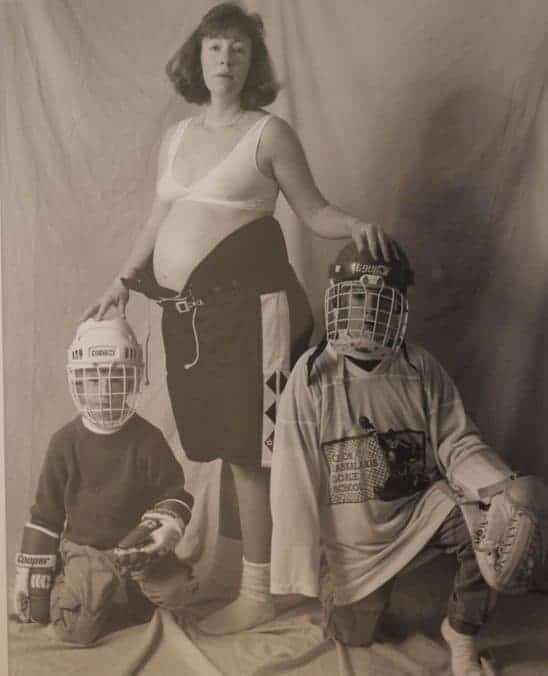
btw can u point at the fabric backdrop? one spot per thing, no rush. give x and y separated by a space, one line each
428 117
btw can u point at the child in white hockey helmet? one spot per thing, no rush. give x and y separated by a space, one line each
111 505
373 455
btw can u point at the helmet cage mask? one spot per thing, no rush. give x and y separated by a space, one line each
365 317
104 371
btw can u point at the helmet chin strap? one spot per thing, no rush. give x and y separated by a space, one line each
350 349
368 356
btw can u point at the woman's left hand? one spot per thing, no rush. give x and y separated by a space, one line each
379 243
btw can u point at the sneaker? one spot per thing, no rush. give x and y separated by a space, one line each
465 657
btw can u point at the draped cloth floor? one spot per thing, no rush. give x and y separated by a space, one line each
428 117
516 640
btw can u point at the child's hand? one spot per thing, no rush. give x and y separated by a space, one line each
510 538
34 575
21 600
117 295
167 535
157 534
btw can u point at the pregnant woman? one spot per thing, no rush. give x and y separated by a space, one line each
235 317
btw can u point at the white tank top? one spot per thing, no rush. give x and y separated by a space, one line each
236 181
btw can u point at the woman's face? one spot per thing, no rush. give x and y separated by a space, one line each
225 63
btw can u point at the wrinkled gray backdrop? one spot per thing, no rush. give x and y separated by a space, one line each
427 117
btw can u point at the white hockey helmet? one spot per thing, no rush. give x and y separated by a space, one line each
105 369
366 308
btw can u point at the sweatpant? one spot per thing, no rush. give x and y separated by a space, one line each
469 605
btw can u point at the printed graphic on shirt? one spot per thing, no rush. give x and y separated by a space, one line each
376 466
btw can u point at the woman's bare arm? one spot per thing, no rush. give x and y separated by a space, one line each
281 153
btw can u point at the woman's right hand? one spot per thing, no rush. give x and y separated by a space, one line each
117 295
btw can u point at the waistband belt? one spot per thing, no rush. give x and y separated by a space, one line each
185 302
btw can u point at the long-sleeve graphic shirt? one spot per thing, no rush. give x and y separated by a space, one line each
362 465
95 487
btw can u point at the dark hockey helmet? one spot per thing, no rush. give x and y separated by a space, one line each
351 265
366 308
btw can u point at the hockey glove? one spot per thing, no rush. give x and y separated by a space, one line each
510 535
158 533
34 575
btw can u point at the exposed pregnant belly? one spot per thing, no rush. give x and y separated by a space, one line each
190 231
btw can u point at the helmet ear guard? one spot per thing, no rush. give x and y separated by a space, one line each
366 308
104 369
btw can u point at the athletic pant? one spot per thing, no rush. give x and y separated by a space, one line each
469 605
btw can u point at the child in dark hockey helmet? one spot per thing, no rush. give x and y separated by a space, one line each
378 459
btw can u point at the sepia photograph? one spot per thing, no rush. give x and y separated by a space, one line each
346 472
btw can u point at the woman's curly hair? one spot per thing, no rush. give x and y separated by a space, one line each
185 67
